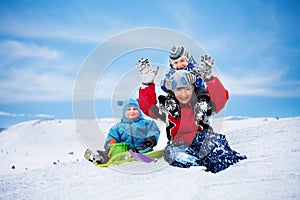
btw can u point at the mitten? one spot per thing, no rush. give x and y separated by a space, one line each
146 146
162 99
202 110
172 106
145 70
205 69
150 142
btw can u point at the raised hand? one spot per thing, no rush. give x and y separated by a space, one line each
145 70
205 69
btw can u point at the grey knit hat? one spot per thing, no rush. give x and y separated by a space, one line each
177 52
181 78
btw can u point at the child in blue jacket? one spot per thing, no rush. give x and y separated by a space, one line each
180 59
140 134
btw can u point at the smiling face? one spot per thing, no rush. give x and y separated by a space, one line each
180 63
132 112
184 94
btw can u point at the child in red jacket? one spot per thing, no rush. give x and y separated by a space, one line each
180 59
189 144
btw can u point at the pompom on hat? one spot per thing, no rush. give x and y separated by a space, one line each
180 79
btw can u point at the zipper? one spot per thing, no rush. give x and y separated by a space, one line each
131 134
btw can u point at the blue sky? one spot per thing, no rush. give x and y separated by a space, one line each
43 45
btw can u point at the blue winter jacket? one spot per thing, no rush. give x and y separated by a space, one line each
191 65
134 132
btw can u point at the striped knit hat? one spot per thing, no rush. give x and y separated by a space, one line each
177 52
181 78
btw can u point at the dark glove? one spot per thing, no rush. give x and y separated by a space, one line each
147 146
149 142
162 99
202 110
134 150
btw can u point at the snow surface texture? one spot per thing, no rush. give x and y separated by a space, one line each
44 160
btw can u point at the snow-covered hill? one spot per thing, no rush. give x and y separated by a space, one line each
44 160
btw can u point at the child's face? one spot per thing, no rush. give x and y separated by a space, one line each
132 113
184 94
180 63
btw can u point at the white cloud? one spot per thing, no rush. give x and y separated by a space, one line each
29 85
84 26
34 73
7 114
261 84
17 49
41 115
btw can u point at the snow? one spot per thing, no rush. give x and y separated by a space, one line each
48 164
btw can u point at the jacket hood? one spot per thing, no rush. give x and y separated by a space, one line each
127 104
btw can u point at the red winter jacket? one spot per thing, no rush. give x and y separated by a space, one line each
217 93
185 128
